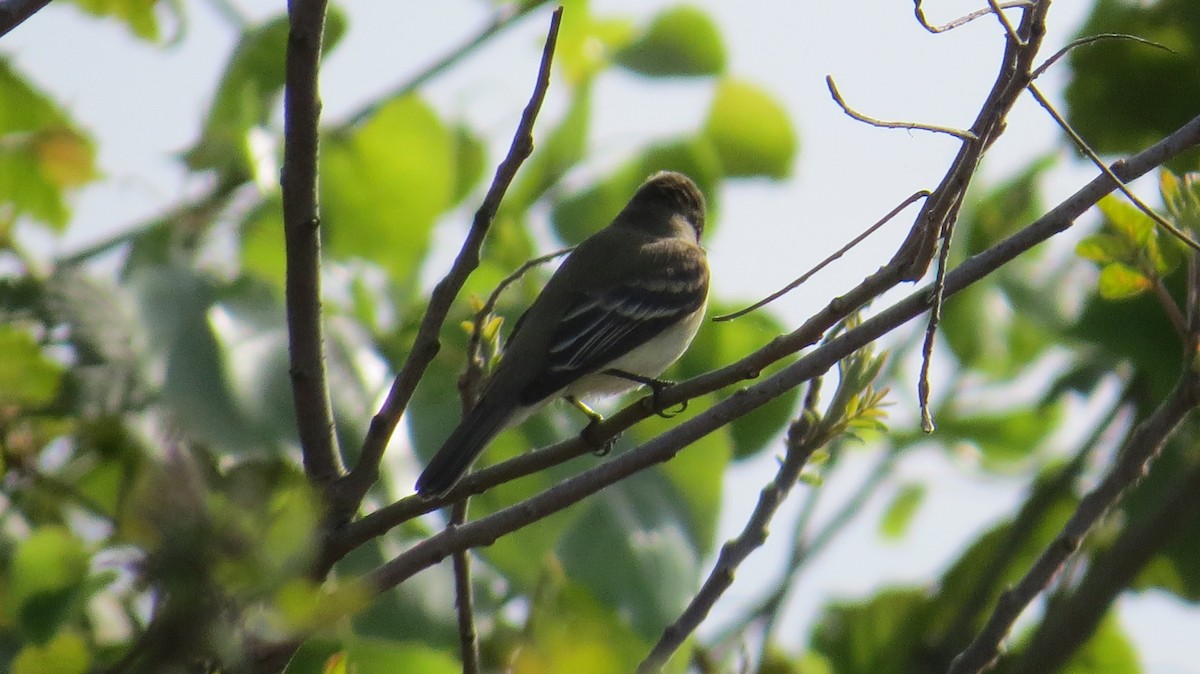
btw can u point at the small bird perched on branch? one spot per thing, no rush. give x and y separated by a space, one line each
623 306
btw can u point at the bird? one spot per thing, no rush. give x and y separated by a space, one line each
622 307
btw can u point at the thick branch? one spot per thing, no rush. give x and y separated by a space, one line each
14 13
301 225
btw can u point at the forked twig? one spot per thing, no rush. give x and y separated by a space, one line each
1092 39
962 20
961 134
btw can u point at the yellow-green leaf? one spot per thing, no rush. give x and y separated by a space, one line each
1118 281
680 41
751 131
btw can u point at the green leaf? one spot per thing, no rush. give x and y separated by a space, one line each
570 631
882 634
138 15
469 157
1108 650
751 131
899 513
42 154
682 41
1127 220
66 653
1103 248
586 42
1182 198
247 96
1123 95
27 377
1002 437
380 656
46 574
1118 282
384 184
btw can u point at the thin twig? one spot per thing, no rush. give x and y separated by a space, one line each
1037 72
837 97
352 489
507 15
824 263
1135 458
468 638
1091 154
800 447
469 381
1008 27
302 241
813 364
962 20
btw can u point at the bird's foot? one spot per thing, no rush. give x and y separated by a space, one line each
589 433
657 386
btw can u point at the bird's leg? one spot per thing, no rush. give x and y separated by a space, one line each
594 419
657 386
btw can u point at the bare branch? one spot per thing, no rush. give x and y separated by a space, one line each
837 97
13 14
1136 456
1090 40
801 443
1012 33
1091 154
468 639
426 345
302 237
962 20
826 262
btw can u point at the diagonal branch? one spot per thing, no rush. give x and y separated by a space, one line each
354 486
13 14
1139 451
302 237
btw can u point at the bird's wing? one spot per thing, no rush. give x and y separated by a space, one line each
608 320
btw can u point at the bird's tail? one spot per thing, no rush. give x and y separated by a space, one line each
460 450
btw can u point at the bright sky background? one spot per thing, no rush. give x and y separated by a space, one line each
144 103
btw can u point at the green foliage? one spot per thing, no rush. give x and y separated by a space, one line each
1124 95
680 41
751 132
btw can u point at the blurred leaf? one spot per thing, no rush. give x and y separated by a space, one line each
1128 221
1109 650
1182 199
41 154
384 184
247 96
568 630
881 635
66 653
137 14
586 42
900 512
318 655
1102 248
379 656
1123 95
632 549
1003 208
1003 437
469 157
1118 282
44 580
751 131
27 377
680 41
262 248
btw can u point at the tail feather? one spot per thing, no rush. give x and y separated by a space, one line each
463 446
